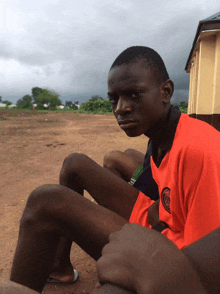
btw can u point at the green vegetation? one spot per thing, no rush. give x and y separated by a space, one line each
35 92
96 105
183 106
48 97
25 102
43 97
71 105
6 102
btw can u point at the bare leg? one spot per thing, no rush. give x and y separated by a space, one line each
62 269
53 211
8 287
123 164
75 174
79 172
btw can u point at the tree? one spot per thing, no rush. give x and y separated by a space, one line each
95 98
69 104
49 97
25 102
97 105
0 98
7 102
76 102
183 106
35 92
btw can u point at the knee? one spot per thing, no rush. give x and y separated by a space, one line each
75 160
129 152
111 159
73 163
41 206
41 195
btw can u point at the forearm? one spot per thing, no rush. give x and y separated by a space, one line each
204 255
192 288
179 277
145 261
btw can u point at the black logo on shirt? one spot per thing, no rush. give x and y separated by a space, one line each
165 198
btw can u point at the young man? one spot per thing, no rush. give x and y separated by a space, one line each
181 168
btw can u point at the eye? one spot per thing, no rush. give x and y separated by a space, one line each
113 99
136 94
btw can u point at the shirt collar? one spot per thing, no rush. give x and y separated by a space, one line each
168 136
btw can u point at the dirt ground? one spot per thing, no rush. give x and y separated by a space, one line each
32 150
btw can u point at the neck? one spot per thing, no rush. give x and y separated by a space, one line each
158 132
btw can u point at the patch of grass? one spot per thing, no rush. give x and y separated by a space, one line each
67 110
81 110
43 111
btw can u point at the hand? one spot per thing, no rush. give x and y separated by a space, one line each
144 261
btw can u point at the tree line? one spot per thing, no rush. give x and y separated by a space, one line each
40 97
5 101
183 106
96 104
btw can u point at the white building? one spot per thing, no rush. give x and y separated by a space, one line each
60 107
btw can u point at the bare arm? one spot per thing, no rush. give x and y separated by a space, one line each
144 261
204 254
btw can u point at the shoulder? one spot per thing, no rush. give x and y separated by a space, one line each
196 141
196 126
197 133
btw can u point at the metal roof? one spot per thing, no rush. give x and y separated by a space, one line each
215 18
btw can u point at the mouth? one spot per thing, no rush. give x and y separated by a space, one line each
127 124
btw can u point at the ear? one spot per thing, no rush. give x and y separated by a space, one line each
167 89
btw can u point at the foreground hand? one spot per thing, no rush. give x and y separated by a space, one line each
144 261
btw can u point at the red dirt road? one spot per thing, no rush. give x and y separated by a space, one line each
32 150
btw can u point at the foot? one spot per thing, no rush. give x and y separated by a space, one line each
64 275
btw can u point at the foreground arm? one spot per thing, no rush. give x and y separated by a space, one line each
144 261
204 254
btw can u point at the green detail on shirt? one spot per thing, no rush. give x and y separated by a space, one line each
136 174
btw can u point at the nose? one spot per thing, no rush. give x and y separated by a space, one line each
123 106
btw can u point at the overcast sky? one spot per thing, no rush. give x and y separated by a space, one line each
68 45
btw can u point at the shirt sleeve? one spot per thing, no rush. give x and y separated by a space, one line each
198 202
139 213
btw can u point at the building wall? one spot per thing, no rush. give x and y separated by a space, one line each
204 93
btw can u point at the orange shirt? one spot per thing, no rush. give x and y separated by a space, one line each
188 180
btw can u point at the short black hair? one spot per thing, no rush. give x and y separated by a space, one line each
149 56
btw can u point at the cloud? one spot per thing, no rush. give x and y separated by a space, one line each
69 46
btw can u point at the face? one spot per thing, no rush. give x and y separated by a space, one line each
138 102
